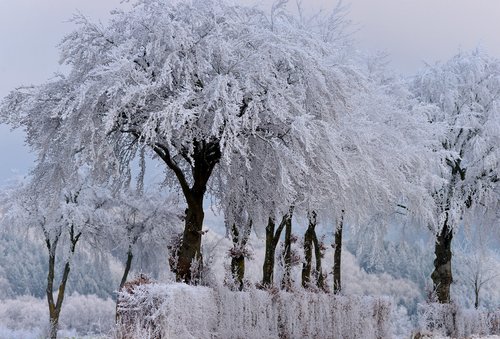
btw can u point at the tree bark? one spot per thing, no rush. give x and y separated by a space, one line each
272 239
311 241
53 312
205 156
308 244
286 283
476 294
337 258
320 278
55 307
268 267
238 255
190 250
128 265
442 275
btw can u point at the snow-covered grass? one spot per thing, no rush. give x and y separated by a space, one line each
168 310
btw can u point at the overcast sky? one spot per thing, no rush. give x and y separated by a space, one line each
409 31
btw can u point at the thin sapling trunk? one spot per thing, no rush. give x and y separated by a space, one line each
337 257
286 283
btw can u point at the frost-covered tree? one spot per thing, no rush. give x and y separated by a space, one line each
465 91
476 269
313 245
138 219
380 163
196 83
63 208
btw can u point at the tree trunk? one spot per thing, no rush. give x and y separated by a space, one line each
190 250
286 283
337 258
308 244
272 239
476 294
55 307
238 254
128 265
442 275
268 267
53 313
202 160
320 278
238 271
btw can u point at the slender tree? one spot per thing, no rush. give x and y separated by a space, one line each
337 258
63 210
286 282
312 245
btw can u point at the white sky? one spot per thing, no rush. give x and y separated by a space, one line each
409 31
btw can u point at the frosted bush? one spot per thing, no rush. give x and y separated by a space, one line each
451 320
88 314
24 313
167 311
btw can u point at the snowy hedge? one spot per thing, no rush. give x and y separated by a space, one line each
452 320
182 311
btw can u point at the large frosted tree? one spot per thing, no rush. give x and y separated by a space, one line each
195 82
466 93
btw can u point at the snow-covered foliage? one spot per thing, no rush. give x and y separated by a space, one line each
465 91
452 320
290 119
167 310
141 224
179 76
477 276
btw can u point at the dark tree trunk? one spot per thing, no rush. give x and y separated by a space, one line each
190 250
320 278
337 257
202 162
238 271
55 306
53 311
268 267
442 275
286 283
311 241
272 239
238 254
308 245
128 265
476 294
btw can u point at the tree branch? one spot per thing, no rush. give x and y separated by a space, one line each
164 154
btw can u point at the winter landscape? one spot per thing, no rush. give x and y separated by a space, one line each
239 169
